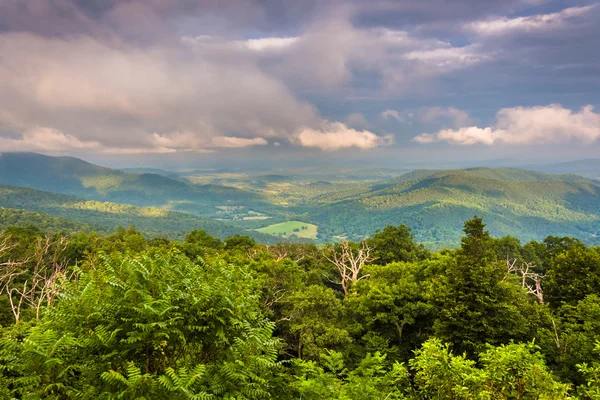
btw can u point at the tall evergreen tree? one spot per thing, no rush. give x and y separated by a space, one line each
476 304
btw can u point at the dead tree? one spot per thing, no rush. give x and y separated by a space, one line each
531 281
349 263
45 269
9 269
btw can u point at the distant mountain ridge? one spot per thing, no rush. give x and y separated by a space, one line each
523 203
73 176
589 168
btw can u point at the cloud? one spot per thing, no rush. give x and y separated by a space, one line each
166 76
429 115
129 97
503 26
464 136
434 114
336 136
523 126
270 43
43 139
356 120
387 114
448 57
99 82
226 141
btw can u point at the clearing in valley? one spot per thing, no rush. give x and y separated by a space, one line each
287 229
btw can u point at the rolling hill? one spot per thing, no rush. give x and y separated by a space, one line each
105 216
73 176
525 204
47 223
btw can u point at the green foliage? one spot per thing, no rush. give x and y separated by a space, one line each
131 322
476 304
524 204
573 341
372 379
573 274
126 317
514 371
392 308
396 244
315 321
591 389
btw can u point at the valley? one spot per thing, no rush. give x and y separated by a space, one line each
301 204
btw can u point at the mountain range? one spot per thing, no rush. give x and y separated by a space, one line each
523 203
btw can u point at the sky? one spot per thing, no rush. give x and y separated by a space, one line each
218 82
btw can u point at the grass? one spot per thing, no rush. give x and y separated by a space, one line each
286 229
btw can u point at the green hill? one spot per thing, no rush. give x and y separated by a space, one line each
47 223
525 204
518 202
105 216
72 176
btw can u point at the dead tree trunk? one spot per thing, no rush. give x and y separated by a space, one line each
349 263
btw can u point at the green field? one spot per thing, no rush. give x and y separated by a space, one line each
286 229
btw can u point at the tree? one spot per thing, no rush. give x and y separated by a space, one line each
577 331
239 242
573 274
349 261
315 322
154 326
396 244
591 388
203 239
476 305
197 242
514 371
372 379
392 308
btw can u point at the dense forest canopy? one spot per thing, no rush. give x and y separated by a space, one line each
120 316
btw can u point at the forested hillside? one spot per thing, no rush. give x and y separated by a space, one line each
521 203
10 217
526 204
72 176
86 316
74 212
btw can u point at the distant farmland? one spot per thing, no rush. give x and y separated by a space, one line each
287 229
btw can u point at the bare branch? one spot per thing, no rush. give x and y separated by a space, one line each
349 263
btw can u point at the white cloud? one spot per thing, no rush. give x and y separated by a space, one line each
336 136
521 126
429 115
391 114
270 43
502 26
229 141
449 57
464 136
194 93
45 139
